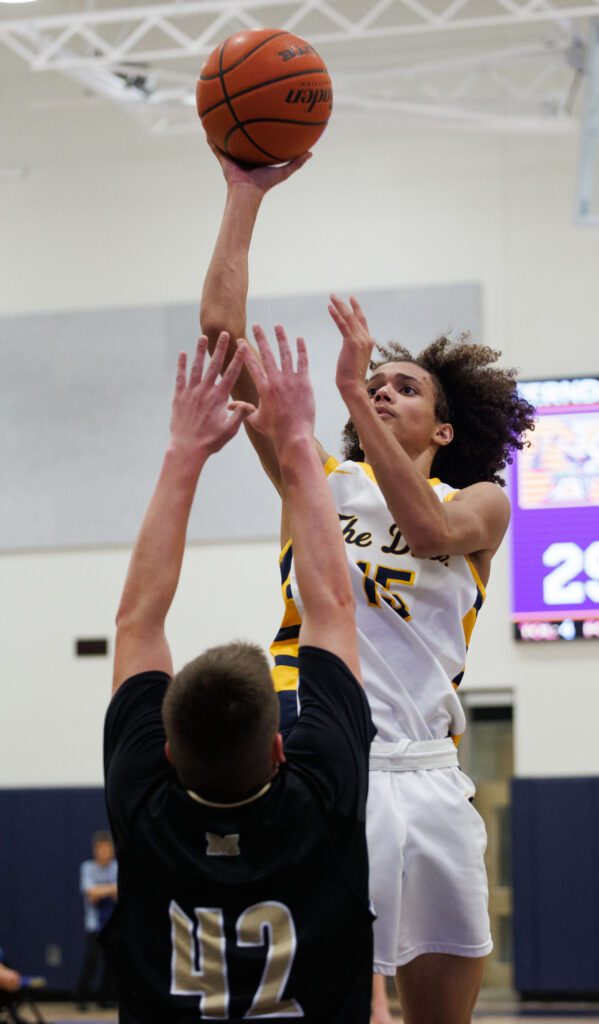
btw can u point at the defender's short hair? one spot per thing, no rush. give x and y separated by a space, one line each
221 715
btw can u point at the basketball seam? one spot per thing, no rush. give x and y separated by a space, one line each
271 156
239 125
271 120
271 81
276 120
212 78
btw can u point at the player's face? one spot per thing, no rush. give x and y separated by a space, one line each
403 395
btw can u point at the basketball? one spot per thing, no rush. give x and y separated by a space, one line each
264 96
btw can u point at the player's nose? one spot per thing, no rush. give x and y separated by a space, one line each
382 394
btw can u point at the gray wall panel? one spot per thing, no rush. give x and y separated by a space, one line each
84 411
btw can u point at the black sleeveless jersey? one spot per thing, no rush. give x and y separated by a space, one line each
247 911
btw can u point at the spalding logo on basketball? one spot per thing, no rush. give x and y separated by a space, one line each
264 96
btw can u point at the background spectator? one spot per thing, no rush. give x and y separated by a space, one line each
99 889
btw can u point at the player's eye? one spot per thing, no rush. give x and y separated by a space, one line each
371 392
407 389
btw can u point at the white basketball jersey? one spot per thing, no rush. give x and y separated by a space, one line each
414 615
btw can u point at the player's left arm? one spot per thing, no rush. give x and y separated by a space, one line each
476 518
200 426
474 521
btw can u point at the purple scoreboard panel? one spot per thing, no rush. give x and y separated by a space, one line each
554 489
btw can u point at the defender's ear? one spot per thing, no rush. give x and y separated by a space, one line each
168 752
278 756
443 434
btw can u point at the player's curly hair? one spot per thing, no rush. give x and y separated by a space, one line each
481 401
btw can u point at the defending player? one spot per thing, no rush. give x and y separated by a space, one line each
243 887
419 552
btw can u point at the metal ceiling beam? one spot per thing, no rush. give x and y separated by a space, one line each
89 35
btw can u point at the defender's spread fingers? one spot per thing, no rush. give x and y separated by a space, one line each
216 363
197 368
284 349
268 360
234 368
181 372
302 356
255 367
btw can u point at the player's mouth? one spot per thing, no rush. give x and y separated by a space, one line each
381 410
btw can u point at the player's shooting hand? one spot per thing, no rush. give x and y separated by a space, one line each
262 178
356 348
201 421
286 408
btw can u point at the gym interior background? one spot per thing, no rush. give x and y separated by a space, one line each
105 214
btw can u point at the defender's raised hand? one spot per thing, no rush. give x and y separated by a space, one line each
356 350
200 419
286 409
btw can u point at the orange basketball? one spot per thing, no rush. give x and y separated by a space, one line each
264 96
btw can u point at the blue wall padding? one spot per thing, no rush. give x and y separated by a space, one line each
555 852
46 833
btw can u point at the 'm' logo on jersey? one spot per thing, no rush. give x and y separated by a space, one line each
222 846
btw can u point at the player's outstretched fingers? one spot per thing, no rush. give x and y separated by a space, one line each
213 147
216 363
284 349
355 305
294 165
197 367
268 360
342 308
336 316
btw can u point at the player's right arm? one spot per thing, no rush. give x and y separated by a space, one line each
224 296
286 416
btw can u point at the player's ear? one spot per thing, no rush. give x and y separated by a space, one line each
168 752
443 434
278 755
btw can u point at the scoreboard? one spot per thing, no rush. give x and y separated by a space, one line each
554 491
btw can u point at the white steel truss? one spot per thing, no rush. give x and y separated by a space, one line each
191 28
120 53
513 89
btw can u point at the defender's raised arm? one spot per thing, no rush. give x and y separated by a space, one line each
286 416
200 426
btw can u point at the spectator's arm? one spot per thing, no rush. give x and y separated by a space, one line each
102 892
10 980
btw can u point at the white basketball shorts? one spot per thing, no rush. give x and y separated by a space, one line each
426 844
